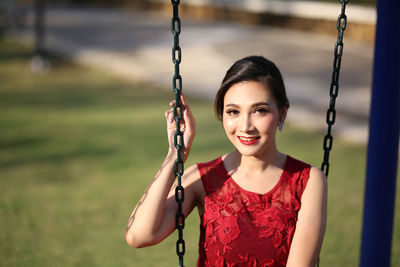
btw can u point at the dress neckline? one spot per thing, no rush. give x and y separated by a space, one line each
272 190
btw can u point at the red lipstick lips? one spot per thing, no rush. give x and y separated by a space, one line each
248 140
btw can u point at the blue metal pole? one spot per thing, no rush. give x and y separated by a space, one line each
383 146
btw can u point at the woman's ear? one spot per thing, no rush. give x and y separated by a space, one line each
283 113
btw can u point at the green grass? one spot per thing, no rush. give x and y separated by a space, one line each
78 147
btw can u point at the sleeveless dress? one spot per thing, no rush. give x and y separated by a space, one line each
243 228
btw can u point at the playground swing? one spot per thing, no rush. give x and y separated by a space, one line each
178 113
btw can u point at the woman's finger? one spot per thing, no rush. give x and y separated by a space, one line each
169 116
190 122
185 103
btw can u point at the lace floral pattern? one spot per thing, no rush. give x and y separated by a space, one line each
242 228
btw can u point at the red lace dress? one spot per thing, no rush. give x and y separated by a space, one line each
243 228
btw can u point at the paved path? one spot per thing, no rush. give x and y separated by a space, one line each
137 45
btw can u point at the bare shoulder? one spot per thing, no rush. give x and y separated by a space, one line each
317 176
310 227
317 184
314 199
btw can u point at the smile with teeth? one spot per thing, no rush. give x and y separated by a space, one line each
248 140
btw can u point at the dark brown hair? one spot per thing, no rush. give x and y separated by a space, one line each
252 68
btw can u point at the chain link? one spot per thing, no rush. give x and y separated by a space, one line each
334 88
178 137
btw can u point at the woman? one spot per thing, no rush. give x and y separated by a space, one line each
258 206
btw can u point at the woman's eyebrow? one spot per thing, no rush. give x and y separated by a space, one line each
260 104
253 105
232 105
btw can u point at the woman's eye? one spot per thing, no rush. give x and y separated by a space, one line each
261 110
232 112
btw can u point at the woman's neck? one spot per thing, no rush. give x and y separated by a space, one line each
258 164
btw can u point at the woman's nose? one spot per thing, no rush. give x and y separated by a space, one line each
245 123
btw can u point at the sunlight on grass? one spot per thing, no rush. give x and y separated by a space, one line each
79 146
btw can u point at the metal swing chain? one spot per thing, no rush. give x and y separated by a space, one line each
178 137
334 88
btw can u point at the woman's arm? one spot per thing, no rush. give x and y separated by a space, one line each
310 227
153 218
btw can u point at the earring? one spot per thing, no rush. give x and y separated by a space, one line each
280 126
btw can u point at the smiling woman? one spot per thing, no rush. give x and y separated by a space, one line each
251 117
258 206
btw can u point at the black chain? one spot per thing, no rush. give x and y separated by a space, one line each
334 88
178 137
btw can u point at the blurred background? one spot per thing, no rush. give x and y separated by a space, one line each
84 86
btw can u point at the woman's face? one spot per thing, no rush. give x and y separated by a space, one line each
250 118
